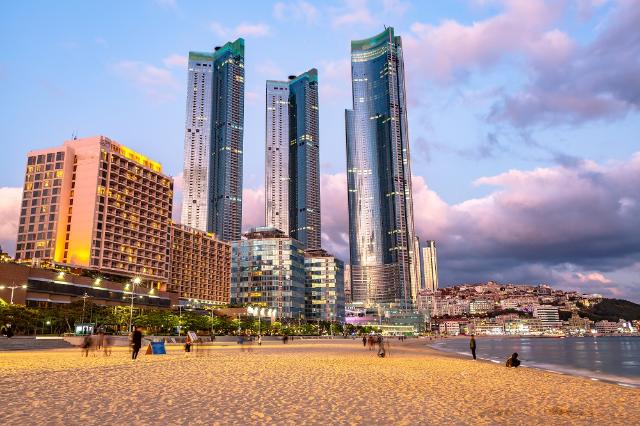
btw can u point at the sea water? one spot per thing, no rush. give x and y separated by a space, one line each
608 358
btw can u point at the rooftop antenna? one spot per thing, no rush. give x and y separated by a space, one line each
74 135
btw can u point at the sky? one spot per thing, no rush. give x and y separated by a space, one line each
523 115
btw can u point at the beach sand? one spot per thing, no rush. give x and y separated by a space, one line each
325 382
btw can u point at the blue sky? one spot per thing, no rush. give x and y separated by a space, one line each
494 86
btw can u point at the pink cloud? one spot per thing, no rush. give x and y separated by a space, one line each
9 214
450 49
252 208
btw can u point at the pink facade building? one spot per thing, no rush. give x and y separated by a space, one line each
93 203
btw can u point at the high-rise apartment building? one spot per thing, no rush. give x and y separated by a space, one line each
324 286
381 229
199 266
96 204
268 270
277 156
292 158
214 129
430 265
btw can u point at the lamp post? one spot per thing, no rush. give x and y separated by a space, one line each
12 287
85 296
136 281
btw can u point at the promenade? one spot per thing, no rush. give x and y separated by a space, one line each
303 382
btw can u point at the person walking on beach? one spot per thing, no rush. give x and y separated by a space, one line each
472 346
513 360
136 342
364 341
86 345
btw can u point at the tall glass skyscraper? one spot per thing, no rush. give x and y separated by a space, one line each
381 230
292 169
212 197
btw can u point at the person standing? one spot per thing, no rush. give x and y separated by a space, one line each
136 342
472 346
364 341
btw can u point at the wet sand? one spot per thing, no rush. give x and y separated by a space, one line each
326 382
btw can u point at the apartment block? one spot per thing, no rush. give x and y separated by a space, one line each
324 298
199 266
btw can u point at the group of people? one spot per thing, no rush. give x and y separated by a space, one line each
512 361
372 341
100 341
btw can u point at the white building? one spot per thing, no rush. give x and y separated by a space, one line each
605 327
430 265
481 306
548 315
276 168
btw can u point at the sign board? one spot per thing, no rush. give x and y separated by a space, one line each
156 348
193 336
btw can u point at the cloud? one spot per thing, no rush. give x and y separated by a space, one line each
573 227
296 11
354 12
270 69
335 216
600 80
157 83
252 98
10 199
175 60
178 185
451 50
252 208
336 81
243 29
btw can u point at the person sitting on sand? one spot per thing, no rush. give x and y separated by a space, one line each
513 361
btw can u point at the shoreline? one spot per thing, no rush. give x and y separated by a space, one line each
623 381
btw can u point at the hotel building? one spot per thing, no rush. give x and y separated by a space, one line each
292 157
199 266
268 270
93 203
214 129
324 286
381 229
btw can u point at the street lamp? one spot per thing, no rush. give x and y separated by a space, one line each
85 296
12 287
136 281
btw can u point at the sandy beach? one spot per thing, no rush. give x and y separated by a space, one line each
328 382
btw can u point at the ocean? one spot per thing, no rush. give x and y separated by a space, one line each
607 358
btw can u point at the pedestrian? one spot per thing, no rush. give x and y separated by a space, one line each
136 342
107 345
86 345
513 360
472 346
187 344
364 341
259 339
381 351
100 340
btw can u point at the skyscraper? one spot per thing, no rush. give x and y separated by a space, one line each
277 156
430 266
212 199
381 230
292 169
